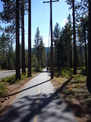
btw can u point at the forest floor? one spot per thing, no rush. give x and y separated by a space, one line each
77 97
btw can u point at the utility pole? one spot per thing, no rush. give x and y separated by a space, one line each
29 40
51 34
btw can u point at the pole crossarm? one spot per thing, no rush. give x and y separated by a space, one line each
52 1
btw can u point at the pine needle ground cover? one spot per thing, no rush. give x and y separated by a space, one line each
75 94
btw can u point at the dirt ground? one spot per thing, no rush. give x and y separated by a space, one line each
77 98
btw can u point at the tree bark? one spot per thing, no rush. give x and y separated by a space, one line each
23 41
29 40
17 42
85 54
74 39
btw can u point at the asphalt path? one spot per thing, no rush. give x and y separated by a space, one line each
6 73
38 102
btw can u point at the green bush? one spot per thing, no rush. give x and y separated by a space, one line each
66 72
10 79
80 78
23 76
3 88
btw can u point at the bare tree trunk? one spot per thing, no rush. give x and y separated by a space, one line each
85 54
70 57
29 40
23 41
85 45
17 42
74 39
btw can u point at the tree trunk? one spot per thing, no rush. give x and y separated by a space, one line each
70 59
82 56
85 45
74 39
85 54
17 42
89 51
23 41
38 58
29 40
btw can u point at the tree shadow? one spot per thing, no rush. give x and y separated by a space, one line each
79 100
26 89
47 107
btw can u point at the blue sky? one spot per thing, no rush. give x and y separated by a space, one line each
41 18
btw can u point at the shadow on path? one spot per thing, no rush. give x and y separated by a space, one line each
49 107
27 88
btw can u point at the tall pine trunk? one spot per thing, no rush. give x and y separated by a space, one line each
74 39
89 51
17 42
85 45
85 54
23 41
70 56
84 34
29 39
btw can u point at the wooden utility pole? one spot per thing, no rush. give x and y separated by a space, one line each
51 34
17 42
29 40
51 39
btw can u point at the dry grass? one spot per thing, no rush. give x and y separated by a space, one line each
76 96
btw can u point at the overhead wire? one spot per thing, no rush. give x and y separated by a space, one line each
56 10
49 36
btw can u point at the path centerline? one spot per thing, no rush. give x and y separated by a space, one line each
35 117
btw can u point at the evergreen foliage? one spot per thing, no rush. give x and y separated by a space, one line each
65 49
39 50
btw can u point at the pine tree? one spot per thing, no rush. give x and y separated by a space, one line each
36 46
72 5
34 61
68 28
39 50
56 36
3 49
10 7
42 54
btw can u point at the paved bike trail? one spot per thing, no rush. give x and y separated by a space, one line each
38 102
